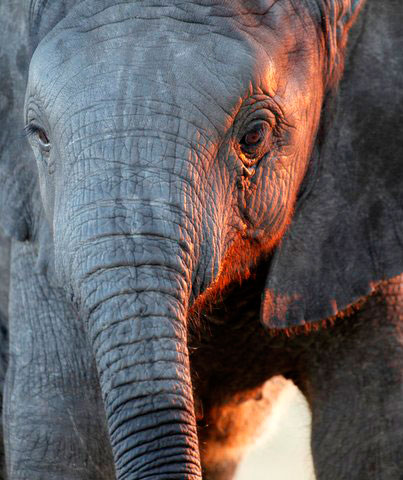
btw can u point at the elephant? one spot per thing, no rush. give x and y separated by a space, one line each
200 197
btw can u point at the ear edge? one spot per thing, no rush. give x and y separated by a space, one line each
343 15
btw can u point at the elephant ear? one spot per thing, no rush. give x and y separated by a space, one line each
336 19
347 232
18 175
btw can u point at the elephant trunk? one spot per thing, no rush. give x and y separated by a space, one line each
134 293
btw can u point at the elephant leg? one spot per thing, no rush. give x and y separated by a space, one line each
352 376
53 415
230 429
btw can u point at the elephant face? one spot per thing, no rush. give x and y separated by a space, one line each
209 112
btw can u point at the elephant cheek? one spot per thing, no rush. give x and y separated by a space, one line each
266 203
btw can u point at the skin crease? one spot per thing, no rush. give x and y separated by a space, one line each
136 349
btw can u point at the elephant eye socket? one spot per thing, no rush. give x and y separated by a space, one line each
254 141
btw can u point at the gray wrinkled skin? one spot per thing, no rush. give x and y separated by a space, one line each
194 177
4 289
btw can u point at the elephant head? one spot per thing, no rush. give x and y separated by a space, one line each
174 144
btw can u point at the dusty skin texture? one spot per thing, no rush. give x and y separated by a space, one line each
200 198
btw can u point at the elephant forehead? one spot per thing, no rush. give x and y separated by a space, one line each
214 51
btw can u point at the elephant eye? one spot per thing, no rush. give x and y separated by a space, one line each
253 142
252 138
43 138
40 136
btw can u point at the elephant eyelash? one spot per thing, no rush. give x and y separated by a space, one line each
29 130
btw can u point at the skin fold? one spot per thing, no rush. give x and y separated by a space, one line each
200 202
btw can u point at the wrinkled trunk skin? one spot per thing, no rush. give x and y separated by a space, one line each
126 250
141 352
132 291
